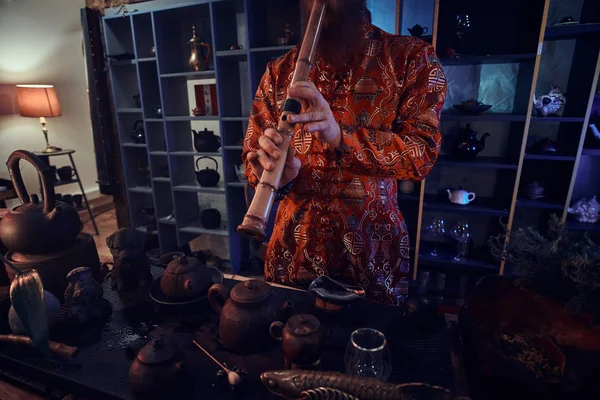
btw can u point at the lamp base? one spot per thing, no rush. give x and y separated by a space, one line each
51 149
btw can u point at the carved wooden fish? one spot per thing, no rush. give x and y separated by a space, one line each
318 385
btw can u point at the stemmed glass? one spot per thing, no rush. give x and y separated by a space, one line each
462 234
437 228
368 354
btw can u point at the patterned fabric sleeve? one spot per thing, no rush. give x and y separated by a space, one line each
264 114
409 149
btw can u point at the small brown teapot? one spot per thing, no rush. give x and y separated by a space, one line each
158 372
247 315
301 339
184 278
34 227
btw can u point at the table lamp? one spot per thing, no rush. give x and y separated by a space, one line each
39 101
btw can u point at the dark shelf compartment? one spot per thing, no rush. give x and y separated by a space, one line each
491 59
408 197
570 31
557 119
481 205
191 118
479 162
62 183
475 261
582 226
591 152
522 202
489 116
549 157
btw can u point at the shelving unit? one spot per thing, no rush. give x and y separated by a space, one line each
525 59
165 81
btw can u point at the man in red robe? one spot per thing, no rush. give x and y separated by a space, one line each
370 116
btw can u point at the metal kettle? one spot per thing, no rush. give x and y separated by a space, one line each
35 227
207 177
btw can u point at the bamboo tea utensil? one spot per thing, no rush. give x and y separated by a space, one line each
27 297
233 377
60 349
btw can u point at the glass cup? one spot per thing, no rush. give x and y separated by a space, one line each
368 354
462 234
437 228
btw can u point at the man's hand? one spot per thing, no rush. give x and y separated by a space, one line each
268 152
316 116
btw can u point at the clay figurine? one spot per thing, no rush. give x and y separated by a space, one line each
83 296
552 103
586 210
131 267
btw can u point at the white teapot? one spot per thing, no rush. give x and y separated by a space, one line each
241 172
460 196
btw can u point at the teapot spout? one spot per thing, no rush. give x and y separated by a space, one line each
286 311
482 140
449 194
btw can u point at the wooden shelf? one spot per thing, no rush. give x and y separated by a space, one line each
486 116
143 229
446 258
195 187
196 227
591 152
154 120
125 110
194 153
138 145
237 184
528 203
582 226
480 205
146 59
167 221
162 179
549 157
192 118
233 53
140 189
491 59
557 119
191 74
271 49
62 183
236 147
241 119
573 31
158 153
114 63
478 162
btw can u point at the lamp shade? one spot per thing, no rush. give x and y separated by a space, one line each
38 101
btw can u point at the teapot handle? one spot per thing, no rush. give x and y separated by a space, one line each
200 158
207 53
425 30
43 171
276 330
218 290
471 197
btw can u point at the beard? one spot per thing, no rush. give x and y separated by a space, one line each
340 35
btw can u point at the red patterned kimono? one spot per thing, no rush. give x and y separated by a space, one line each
341 217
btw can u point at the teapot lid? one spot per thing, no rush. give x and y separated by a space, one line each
157 351
183 265
33 206
76 272
250 291
303 324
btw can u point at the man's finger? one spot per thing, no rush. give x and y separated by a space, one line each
273 135
257 169
265 160
269 147
308 117
308 93
316 126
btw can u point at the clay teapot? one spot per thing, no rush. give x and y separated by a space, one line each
418 30
34 227
467 145
460 196
247 315
206 141
207 177
301 339
158 372
586 210
184 278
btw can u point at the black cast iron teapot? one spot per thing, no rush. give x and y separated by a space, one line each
35 227
207 177
206 141
467 145
138 135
